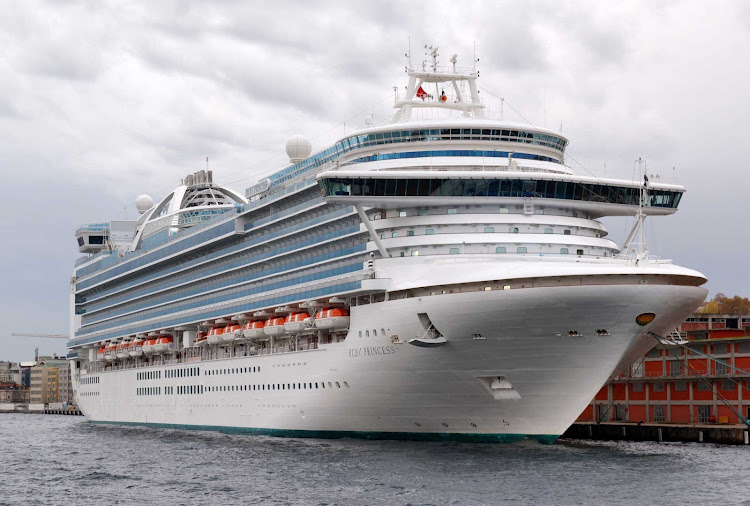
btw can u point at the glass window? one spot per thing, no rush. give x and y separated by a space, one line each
547 230
382 236
429 231
409 233
423 212
415 253
489 230
563 251
401 214
394 234
579 252
454 251
513 230
566 232
521 249
504 210
500 249
452 211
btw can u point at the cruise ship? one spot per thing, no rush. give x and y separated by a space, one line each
441 276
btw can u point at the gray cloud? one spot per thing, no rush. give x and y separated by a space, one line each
102 101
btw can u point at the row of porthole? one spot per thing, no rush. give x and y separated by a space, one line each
186 372
88 394
90 380
148 375
277 386
498 249
232 370
423 212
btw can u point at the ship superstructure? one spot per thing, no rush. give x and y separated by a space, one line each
441 276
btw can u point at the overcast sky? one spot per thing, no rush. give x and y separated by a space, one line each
103 101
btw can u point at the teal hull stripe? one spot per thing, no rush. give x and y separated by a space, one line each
337 434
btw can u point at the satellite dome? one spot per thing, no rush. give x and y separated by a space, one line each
368 121
298 148
143 203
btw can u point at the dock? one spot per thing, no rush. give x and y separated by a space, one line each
659 432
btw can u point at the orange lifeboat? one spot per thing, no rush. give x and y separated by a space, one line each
214 335
110 352
201 339
149 345
122 350
274 327
231 332
254 330
297 322
136 348
100 353
332 319
163 344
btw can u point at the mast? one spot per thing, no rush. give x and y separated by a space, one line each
448 96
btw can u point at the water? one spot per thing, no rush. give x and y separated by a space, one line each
66 460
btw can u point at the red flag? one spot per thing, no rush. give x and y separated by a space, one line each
421 93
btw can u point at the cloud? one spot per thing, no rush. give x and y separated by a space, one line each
103 101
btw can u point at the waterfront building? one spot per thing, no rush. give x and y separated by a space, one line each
13 393
11 372
442 275
51 381
675 384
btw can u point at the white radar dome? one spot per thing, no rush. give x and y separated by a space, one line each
298 148
143 203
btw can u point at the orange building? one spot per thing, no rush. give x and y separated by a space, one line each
672 384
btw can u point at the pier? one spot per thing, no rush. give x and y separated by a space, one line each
659 432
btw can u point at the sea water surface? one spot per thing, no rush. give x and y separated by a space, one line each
48 459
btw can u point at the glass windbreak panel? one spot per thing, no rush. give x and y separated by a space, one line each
567 190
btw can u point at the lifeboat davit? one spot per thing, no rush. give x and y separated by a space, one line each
163 344
231 332
297 322
335 318
254 330
201 339
275 327
136 348
214 335
149 346
122 350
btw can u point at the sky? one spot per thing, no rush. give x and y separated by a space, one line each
101 101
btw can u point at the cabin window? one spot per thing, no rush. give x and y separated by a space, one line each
382 236
367 333
566 232
402 214
394 234
429 231
579 252
563 251
375 332
547 230
489 230
409 233
403 254
513 230
500 249
415 253
504 210
453 251
422 212
521 249
452 211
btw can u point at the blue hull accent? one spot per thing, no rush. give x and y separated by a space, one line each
338 434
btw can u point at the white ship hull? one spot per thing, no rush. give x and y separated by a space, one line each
374 387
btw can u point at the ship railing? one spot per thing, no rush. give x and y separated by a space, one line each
442 69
